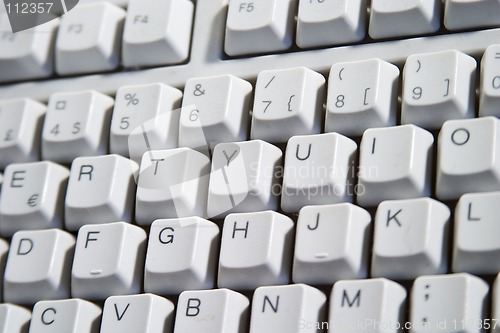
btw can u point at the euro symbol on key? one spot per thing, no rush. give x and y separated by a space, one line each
32 201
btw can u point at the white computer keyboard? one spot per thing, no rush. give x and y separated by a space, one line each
251 166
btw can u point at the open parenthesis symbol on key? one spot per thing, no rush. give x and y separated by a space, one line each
340 73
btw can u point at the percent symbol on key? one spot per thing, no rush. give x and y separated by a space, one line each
131 99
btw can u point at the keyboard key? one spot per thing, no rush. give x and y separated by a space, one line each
182 255
88 39
259 26
77 124
100 189
323 23
331 244
410 239
404 18
4 251
286 308
365 305
495 311
20 127
172 183
244 178
468 158
109 260
65 316
319 169
212 311
361 95
457 300
33 197
438 87
245 266
157 32
38 266
394 163
214 110
476 249
14 318
287 102
145 313
489 94
464 14
145 117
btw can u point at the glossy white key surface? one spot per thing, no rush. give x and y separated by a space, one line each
361 95
65 316
259 26
20 126
157 32
322 23
145 313
256 250
287 309
109 260
88 39
287 103
489 94
4 251
214 110
476 249
319 169
410 239
172 183
463 14
33 197
212 311
100 189
244 178
394 163
38 266
331 243
182 255
454 301
438 87
76 124
14 318
468 157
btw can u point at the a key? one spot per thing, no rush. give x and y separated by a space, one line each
172 183
212 311
331 244
322 23
438 87
4 251
468 158
76 124
404 18
495 306
65 316
145 313
14 318
245 265
89 39
259 26
20 127
410 239
319 169
476 249
361 95
287 309
287 102
32 197
100 189
489 93
38 266
464 14
157 32
365 305
145 117
244 178
451 303
214 110
182 255
394 163
109 260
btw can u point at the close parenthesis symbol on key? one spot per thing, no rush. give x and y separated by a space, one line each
419 66
32 200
